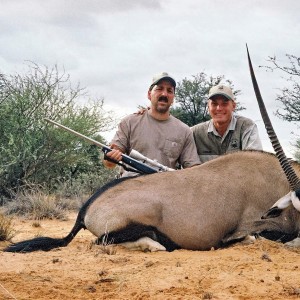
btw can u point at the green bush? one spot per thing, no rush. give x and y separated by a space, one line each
33 151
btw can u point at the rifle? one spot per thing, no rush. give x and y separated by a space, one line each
138 166
137 155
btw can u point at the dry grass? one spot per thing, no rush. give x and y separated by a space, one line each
104 246
37 205
36 224
107 249
6 228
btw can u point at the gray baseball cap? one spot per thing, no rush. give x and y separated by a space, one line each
164 75
222 90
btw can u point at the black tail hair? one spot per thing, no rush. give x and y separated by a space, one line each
47 243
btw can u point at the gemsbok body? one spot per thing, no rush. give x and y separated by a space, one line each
206 206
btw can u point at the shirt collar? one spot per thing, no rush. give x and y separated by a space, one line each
232 124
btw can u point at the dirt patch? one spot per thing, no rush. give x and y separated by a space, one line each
264 270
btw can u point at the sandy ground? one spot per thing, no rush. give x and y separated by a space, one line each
264 270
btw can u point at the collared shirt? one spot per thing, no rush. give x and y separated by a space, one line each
241 134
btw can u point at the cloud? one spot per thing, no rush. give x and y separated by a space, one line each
113 47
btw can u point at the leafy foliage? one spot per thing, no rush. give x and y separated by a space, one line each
192 97
33 151
290 96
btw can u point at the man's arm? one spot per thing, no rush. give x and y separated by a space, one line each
189 156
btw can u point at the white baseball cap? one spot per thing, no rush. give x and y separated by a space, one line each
164 75
222 90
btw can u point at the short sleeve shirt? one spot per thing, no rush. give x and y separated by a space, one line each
170 141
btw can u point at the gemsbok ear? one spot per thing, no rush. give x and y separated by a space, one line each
272 213
289 172
279 206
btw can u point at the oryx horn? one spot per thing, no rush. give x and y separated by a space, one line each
285 164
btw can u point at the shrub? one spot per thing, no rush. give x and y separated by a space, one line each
6 228
34 204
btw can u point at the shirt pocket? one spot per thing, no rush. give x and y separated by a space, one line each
172 149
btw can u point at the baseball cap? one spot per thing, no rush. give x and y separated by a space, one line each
164 75
222 90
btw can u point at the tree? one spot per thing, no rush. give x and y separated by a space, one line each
290 96
34 152
192 97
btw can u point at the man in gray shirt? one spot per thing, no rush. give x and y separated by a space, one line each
225 132
156 134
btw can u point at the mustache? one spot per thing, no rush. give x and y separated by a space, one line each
163 99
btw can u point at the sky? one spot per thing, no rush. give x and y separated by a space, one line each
114 47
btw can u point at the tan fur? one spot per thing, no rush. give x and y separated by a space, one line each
198 207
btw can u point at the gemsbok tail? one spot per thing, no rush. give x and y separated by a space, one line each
46 243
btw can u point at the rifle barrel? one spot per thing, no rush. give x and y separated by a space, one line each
77 133
125 158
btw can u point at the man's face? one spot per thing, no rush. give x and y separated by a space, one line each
221 109
162 96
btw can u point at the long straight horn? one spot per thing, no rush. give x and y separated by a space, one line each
285 164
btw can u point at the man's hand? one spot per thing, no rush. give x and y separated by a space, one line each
114 154
142 110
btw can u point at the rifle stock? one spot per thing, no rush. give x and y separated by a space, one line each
139 166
